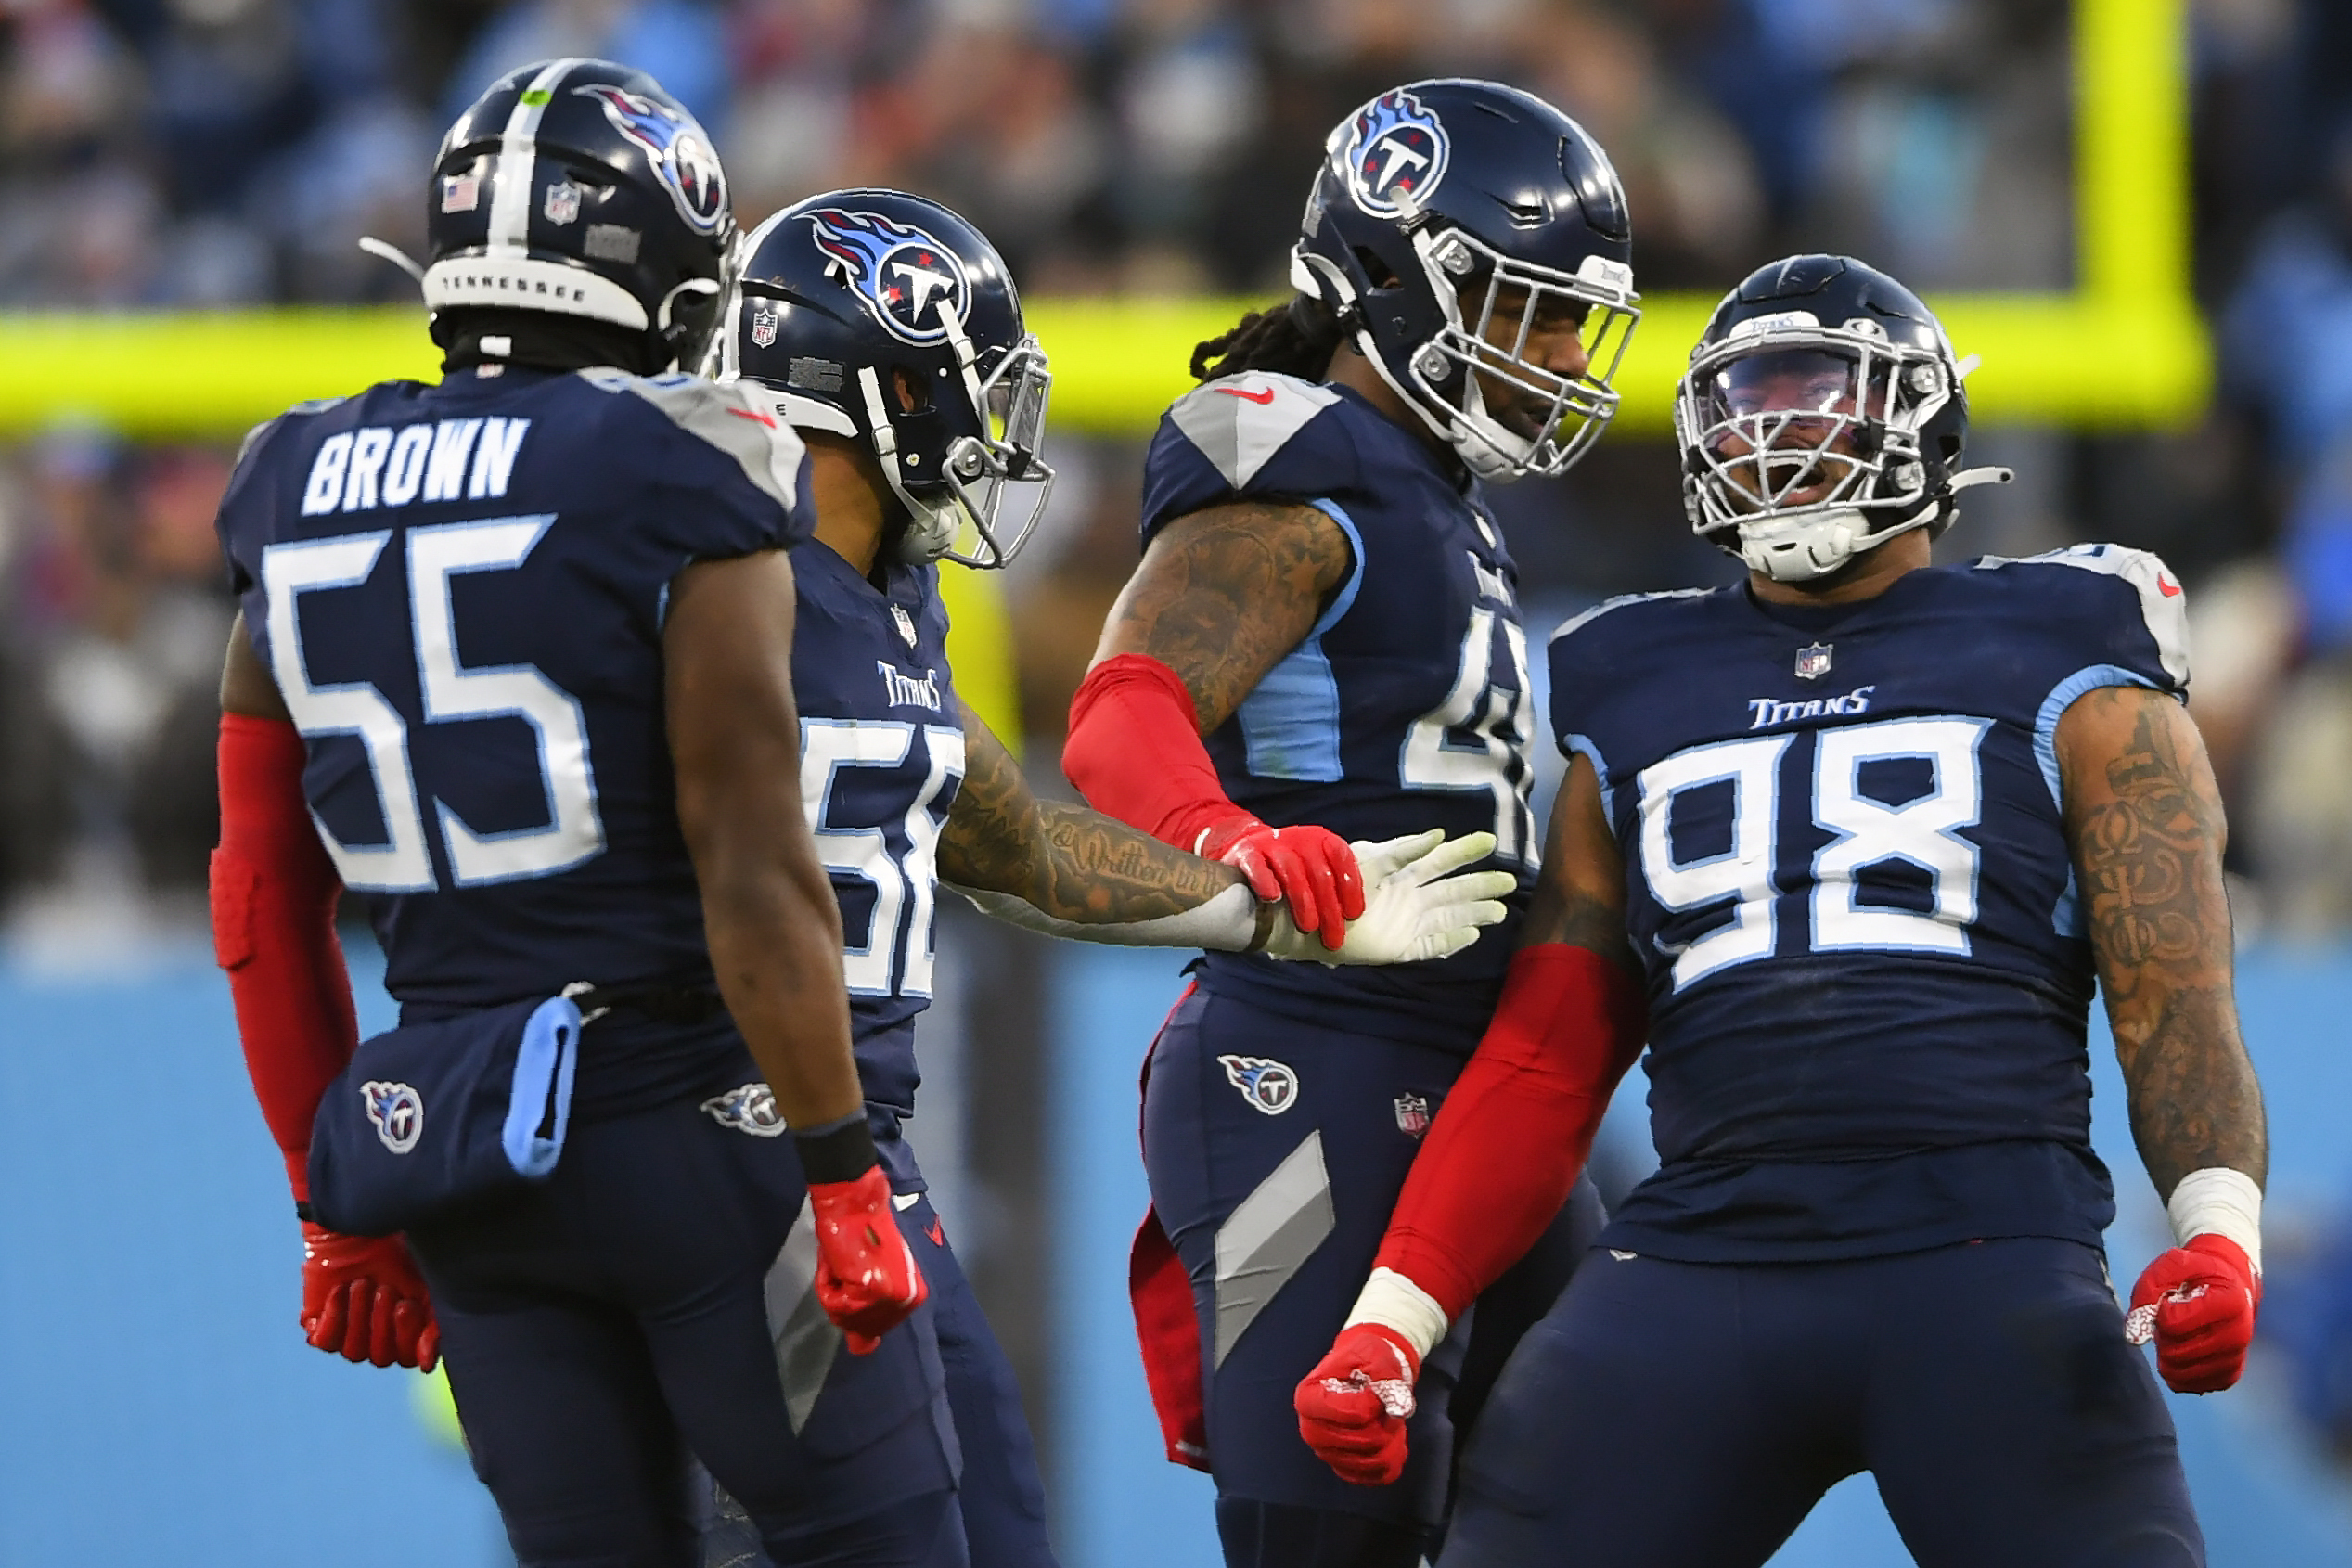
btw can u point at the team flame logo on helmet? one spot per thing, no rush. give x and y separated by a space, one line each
681 155
1397 153
398 1113
913 285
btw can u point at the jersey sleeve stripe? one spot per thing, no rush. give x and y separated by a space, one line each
1582 746
1291 719
2061 697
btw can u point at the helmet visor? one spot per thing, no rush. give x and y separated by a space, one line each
1786 428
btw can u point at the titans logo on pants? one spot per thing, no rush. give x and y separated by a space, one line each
674 145
1397 153
1267 1084
910 283
398 1113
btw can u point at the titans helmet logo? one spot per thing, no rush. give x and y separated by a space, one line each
681 155
398 1113
908 281
1397 153
1270 1087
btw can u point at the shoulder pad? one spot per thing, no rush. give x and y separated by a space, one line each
1576 623
738 418
2163 607
1240 422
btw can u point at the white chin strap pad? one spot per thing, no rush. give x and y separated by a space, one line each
1800 549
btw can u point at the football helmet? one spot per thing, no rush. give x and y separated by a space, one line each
1823 414
1449 218
888 318
579 186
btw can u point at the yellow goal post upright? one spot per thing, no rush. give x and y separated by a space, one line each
2125 349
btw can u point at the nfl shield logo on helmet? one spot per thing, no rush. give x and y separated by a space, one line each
908 281
1813 662
1412 1113
751 1109
562 203
765 318
1397 153
398 1113
1267 1084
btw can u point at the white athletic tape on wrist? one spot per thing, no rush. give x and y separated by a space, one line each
2219 1201
1394 1301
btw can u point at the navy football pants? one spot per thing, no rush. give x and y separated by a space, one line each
1676 1415
1002 1500
645 1301
1275 1189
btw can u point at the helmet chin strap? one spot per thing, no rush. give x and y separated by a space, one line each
1806 549
931 526
1484 442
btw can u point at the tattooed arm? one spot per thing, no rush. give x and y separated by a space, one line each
1580 899
1225 593
2143 818
1074 864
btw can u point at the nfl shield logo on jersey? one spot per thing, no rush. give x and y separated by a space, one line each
398 1113
1813 662
751 1109
1267 1084
905 624
764 317
562 204
1412 1114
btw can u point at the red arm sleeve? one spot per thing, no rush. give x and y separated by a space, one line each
1518 1124
1134 752
274 893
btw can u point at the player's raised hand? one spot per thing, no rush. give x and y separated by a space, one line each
1354 1405
1312 870
364 1300
867 1278
2198 1304
1415 906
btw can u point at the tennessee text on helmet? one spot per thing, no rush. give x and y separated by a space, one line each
1454 222
1823 414
580 187
844 298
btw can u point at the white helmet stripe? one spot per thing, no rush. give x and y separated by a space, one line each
518 155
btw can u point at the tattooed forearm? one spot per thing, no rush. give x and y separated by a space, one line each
2145 822
1223 594
1065 860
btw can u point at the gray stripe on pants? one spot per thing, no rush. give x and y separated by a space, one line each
1269 1237
805 1338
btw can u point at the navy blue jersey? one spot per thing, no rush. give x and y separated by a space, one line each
460 589
1407 707
882 757
1848 884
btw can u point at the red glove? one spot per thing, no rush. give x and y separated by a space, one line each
1311 868
867 1278
1354 1405
1134 752
364 1300
2198 1302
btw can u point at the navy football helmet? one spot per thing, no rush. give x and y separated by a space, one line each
1823 414
1444 210
888 318
579 186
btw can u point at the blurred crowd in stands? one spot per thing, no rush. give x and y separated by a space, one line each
179 154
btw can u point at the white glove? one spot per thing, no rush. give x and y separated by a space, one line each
1414 908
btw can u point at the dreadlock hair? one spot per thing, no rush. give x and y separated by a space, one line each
1295 339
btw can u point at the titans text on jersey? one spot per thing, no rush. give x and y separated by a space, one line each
1407 707
1854 906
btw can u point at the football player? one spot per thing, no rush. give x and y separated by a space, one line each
1848 845
514 662
1322 643
885 329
